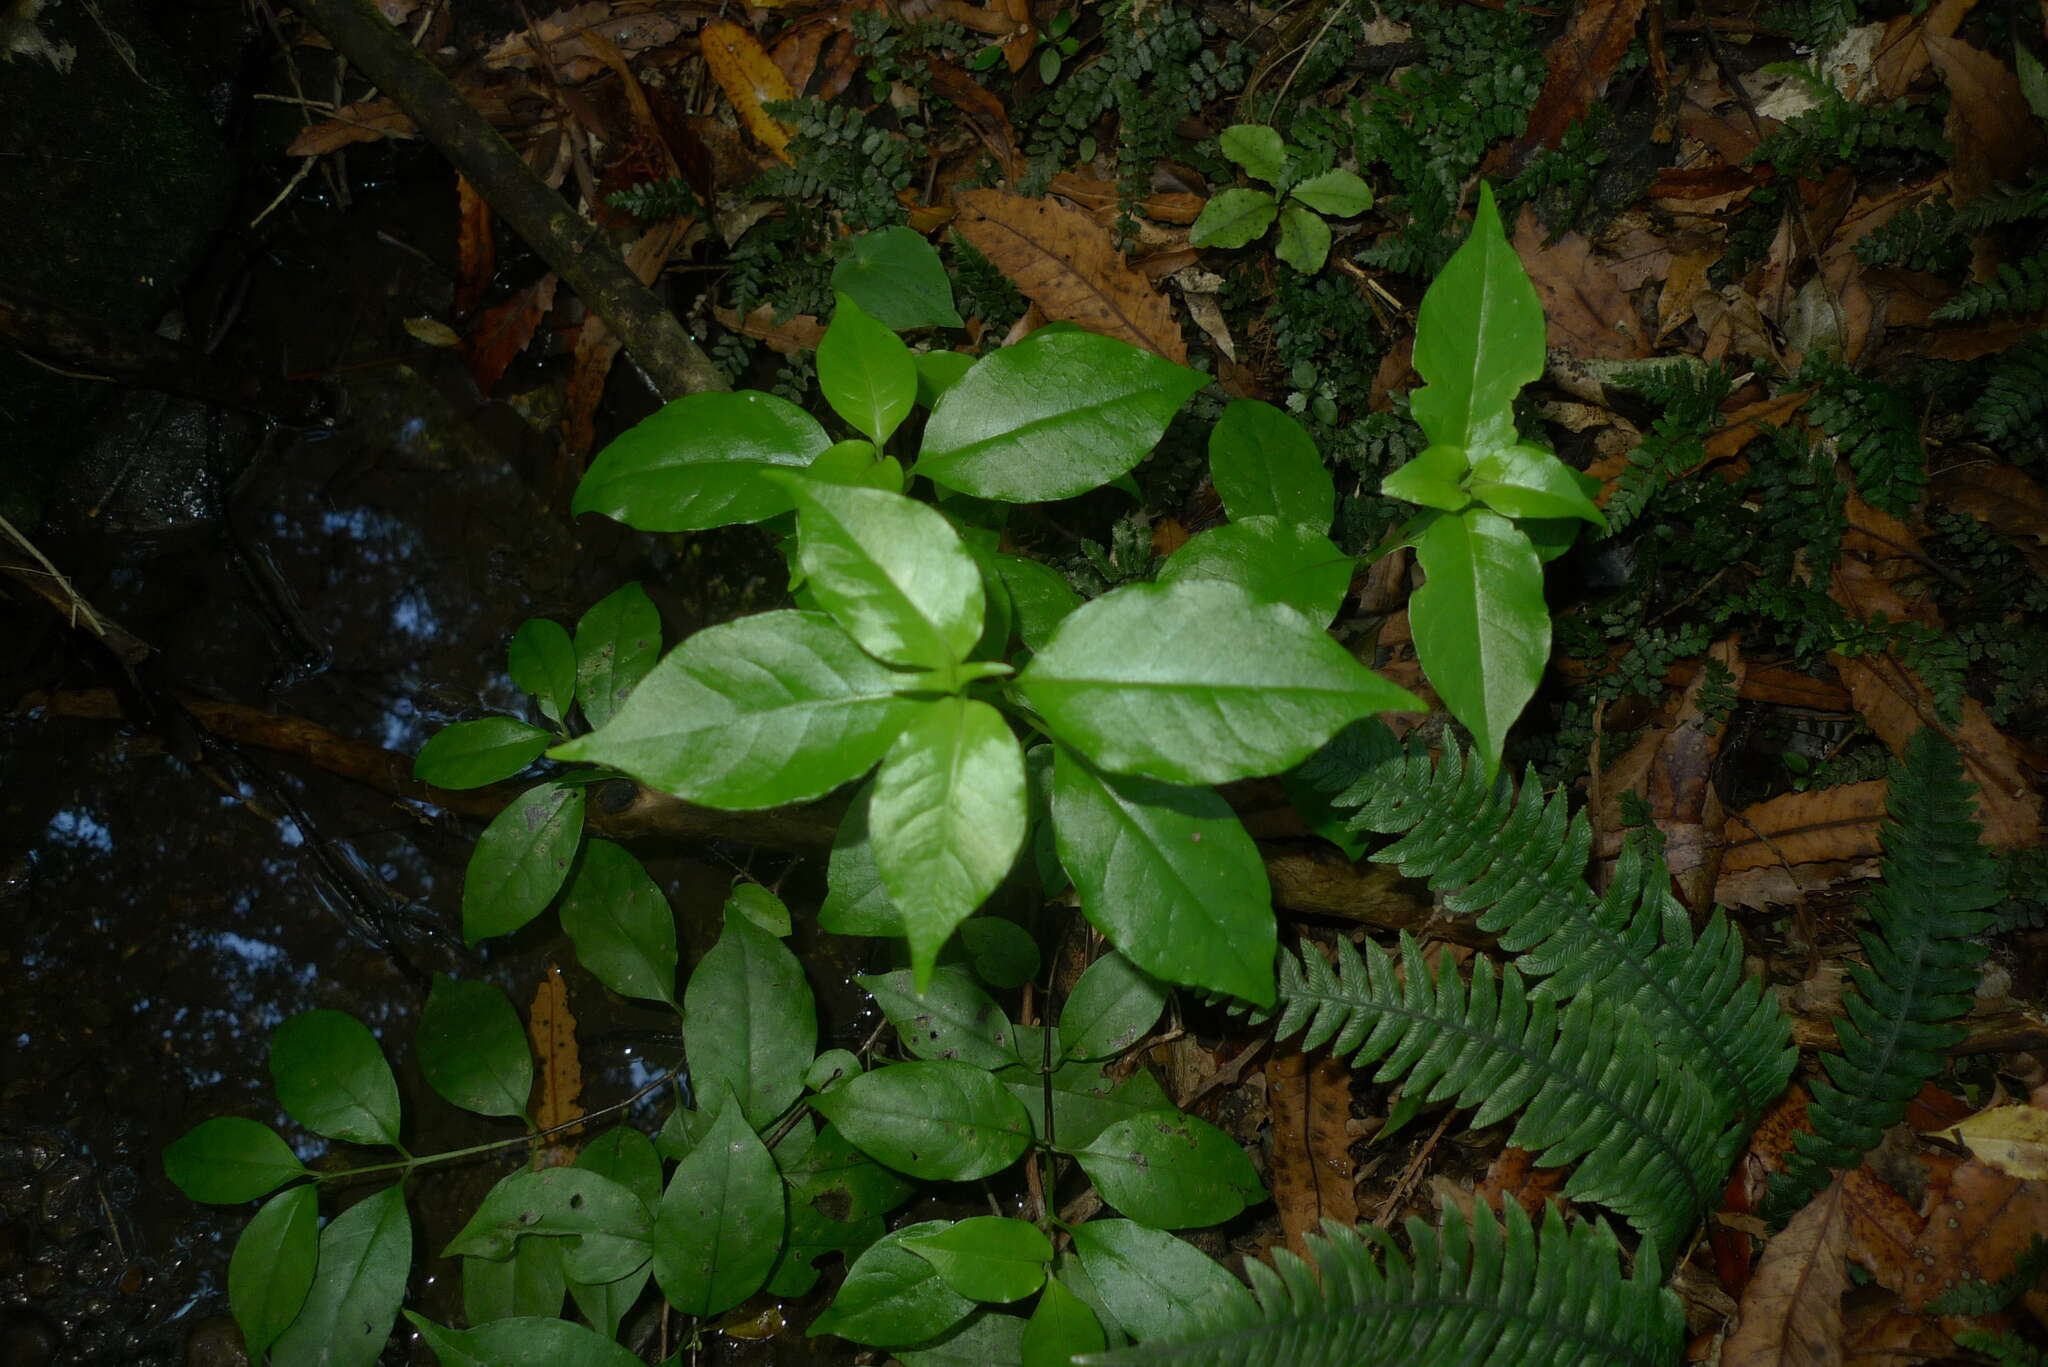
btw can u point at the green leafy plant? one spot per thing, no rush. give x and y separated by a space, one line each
1496 505
1297 202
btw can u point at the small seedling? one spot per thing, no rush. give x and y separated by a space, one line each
1299 204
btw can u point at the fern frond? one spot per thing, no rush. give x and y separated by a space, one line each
1874 429
1937 879
1471 1292
656 199
1922 238
1589 1082
2015 394
2005 204
2014 289
1519 861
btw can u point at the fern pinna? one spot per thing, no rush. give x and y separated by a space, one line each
1472 1291
1938 880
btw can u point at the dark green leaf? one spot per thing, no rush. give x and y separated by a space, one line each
542 662
1039 596
627 1157
471 754
1110 1009
1258 148
1478 339
617 642
523 1342
1084 1101
272 1267
1304 239
1265 464
331 1076
620 923
892 1297
1058 414
776 708
358 1283
722 1221
1234 218
521 860
530 1283
865 372
951 1019
1275 561
1152 1282
1001 953
228 1160
837 1196
856 903
896 275
1170 1170
750 1021
1481 626
473 1049
610 1223
947 1122
985 1339
697 463
1169 875
760 906
1061 1325
988 1257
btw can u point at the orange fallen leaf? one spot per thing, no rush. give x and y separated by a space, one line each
802 332
476 251
750 79
500 333
1977 1230
552 1029
1580 62
1312 1177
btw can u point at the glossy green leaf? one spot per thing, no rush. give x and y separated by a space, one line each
943 1121
529 1284
1234 218
1155 1284
896 275
542 662
470 754
951 1019
1001 953
947 818
1085 1102
828 1068
939 371
1265 464
1040 597
749 1020
1528 481
892 1297
1170 1170
228 1160
721 1221
358 1284
891 571
855 902
617 643
776 708
611 1225
1480 623
620 923
331 1076
272 1267
1135 680
1058 414
1274 561
1338 193
984 1339
760 906
522 1342
521 860
473 1048
1256 147
1061 1326
627 1157
1169 875
987 1257
1304 239
1478 339
697 463
865 372
1434 477
1113 1007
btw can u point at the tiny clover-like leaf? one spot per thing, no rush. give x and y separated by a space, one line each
1525 480
779 707
696 463
473 1049
1480 623
1478 339
890 570
1434 477
1265 464
1258 148
1233 218
470 754
228 1160
1304 239
542 662
897 277
331 1076
1338 193
987 1257
865 372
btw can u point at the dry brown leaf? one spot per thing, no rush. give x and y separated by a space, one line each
1586 312
1883 1228
364 121
749 78
1967 344
1876 1333
802 332
1514 1175
1745 424
1993 132
501 333
1800 842
1580 61
1902 50
564 35
1683 284
1309 1101
597 347
476 251
1101 198
1065 263
1977 1229
1792 1309
553 1031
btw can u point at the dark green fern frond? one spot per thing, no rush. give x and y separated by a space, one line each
1874 428
655 199
1519 860
1471 1292
2007 1350
1976 1297
2015 394
2005 204
1922 238
1938 877
2021 288
1589 1082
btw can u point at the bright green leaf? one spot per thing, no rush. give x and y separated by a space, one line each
473 1048
1528 481
272 1267
855 902
471 754
529 1284
2033 79
1265 464
892 1297
750 1020
939 371
358 1284
1304 239
946 1122
617 643
1110 1009
865 372
697 463
896 276
620 923
331 1076
1257 148
1169 875
1170 1170
1155 1284
1274 561
1058 414
776 708
542 662
228 1160
1480 623
951 1019
721 1221
522 1342
1135 680
1478 339
760 906
988 1257
1338 193
1434 477
521 860
1234 218
1061 1326
947 818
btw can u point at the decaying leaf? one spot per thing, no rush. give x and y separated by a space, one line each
1586 312
597 347
2014 505
749 78
1309 1101
565 36
553 1031
502 332
1994 134
1792 1310
1064 261
1978 1226
1779 850
476 250
1580 63
2013 1139
801 332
